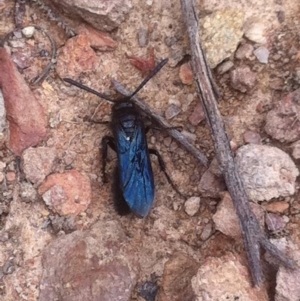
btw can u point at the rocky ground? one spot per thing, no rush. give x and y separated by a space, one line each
60 236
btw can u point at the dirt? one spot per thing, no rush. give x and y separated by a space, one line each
26 227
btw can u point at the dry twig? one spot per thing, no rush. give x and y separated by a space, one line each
253 236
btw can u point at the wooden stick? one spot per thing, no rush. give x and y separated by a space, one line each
253 236
163 123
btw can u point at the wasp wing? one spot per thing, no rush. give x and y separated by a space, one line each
135 171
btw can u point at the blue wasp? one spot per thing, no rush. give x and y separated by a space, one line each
134 183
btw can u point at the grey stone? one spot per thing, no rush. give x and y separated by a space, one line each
262 54
101 14
267 172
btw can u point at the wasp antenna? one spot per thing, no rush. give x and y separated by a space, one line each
83 87
153 73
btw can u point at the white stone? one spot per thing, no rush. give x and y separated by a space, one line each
28 31
255 32
262 54
192 205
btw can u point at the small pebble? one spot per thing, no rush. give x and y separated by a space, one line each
277 84
2 165
172 111
190 136
262 54
286 218
233 145
1 177
244 51
8 268
18 34
252 137
174 101
45 212
206 233
143 37
192 205
243 79
197 115
167 141
274 222
27 192
28 31
16 43
276 57
296 149
255 32
277 207
177 205
186 74
224 67
11 176
4 236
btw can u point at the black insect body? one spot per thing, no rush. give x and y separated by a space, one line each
135 172
135 180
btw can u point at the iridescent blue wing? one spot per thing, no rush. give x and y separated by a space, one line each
136 176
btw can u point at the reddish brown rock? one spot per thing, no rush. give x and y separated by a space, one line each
277 207
27 120
186 74
68 193
226 219
243 79
211 185
37 163
282 122
97 39
226 278
101 14
197 115
76 57
99 264
177 275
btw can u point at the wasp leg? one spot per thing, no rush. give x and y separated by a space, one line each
163 169
106 141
